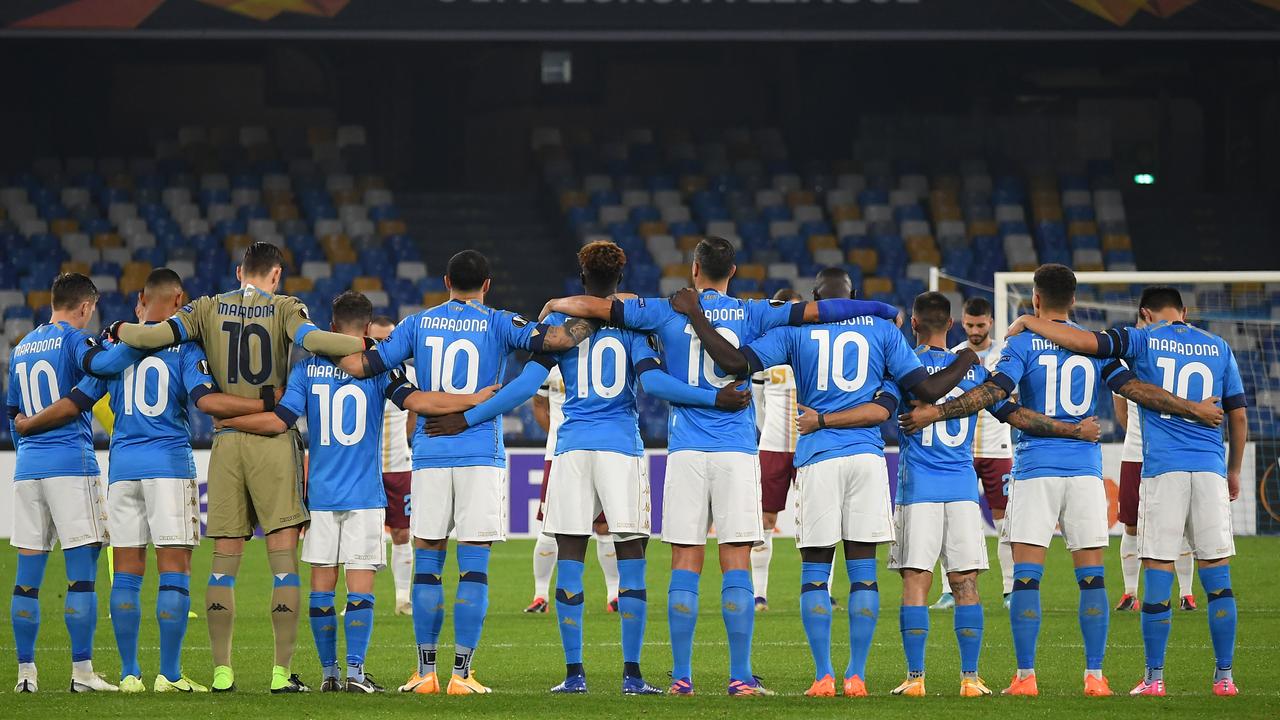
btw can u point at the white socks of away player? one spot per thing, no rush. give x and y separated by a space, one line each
402 570
761 556
545 554
608 558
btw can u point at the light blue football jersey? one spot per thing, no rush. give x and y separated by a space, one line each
44 366
839 366
1194 365
458 347
600 390
150 401
344 433
741 321
1061 385
936 464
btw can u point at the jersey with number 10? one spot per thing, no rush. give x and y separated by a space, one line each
1063 386
838 366
459 347
739 321
152 433
1194 365
47 365
344 432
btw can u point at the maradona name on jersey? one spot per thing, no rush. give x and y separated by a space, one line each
726 314
1039 343
431 322
326 371
37 346
248 312
1181 348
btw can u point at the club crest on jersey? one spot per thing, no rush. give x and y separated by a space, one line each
519 321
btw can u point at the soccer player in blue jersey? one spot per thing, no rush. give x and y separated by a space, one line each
1188 481
713 475
841 479
459 483
152 495
1057 481
56 485
937 514
599 463
345 494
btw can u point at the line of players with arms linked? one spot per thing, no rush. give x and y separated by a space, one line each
228 355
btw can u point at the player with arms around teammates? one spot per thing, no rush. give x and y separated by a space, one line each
1188 479
713 473
1057 481
152 495
842 493
938 517
345 494
253 480
459 483
56 487
599 463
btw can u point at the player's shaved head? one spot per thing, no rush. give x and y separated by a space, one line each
831 283
931 313
352 312
602 262
787 295
162 280
468 271
260 259
714 256
1056 286
1161 297
72 289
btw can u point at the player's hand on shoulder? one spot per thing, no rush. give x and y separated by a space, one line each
1017 326
686 302
547 309
732 399
922 416
968 356
623 296
446 424
112 331
807 420
1090 430
487 392
1208 412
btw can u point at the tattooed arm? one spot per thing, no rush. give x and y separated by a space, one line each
1206 412
1030 421
985 395
566 336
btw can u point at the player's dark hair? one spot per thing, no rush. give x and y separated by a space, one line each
163 277
71 289
1160 297
261 258
468 270
602 263
830 275
787 295
352 309
382 320
977 305
1056 285
931 311
715 256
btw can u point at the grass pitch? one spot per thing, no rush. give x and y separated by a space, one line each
520 655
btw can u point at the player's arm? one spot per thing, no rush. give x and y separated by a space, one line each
722 352
1121 408
1030 421
62 411
523 387
558 338
109 361
984 395
1205 412
305 334
665 386
1237 435
221 405
261 423
932 388
183 326
1112 343
433 403
391 352
840 309
868 414
580 306
542 411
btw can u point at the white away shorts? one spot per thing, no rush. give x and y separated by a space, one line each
844 498
703 488
1076 504
1194 505
470 500
156 511
352 538
928 531
584 483
67 509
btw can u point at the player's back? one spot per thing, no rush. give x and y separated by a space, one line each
44 367
1193 364
600 391
1063 386
247 335
344 430
460 347
934 464
150 402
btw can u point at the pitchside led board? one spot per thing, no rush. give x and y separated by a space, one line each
1254 509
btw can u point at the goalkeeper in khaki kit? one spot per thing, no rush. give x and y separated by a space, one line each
247 334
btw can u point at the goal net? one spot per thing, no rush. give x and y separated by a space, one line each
1243 308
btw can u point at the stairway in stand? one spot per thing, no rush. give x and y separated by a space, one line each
529 261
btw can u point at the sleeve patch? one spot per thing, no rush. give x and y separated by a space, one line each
776 303
90 341
202 366
187 308
653 343
302 310
640 302
519 321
